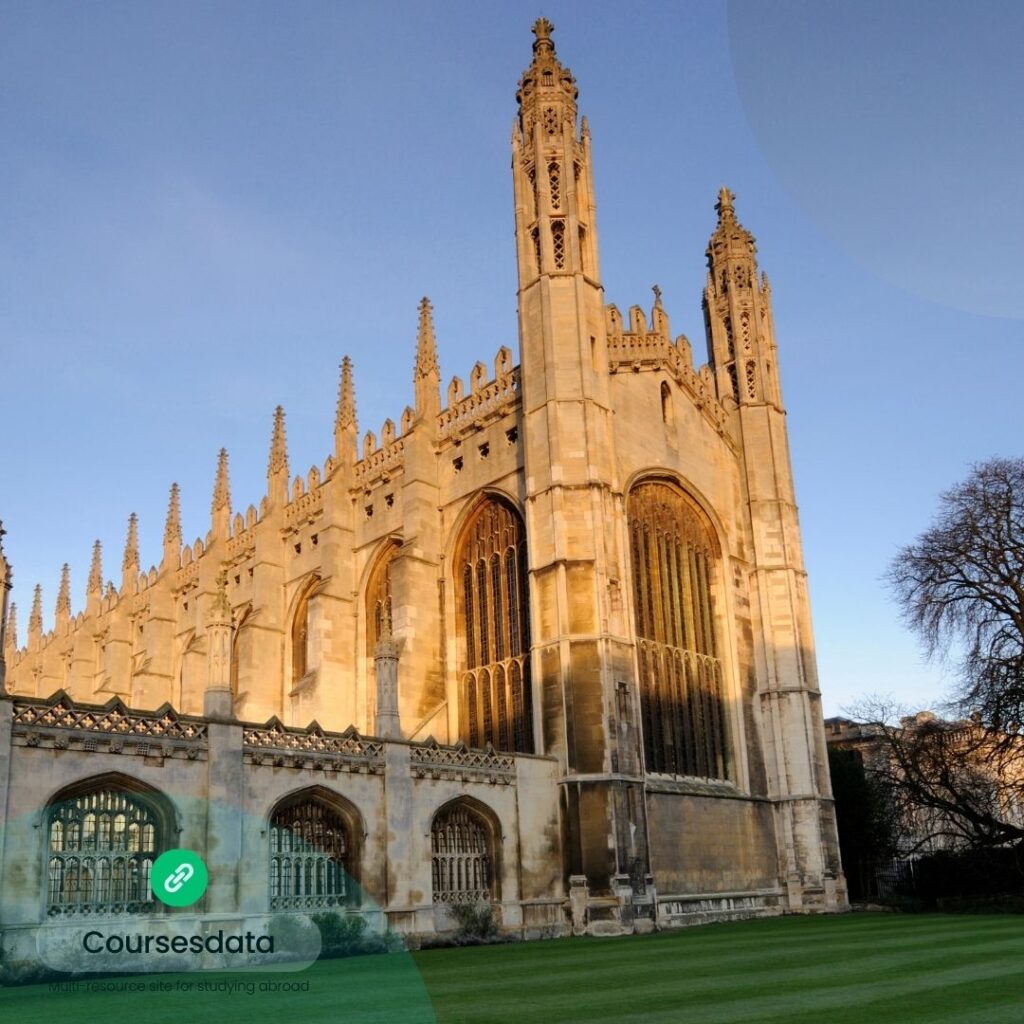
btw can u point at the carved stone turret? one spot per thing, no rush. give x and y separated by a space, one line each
218 703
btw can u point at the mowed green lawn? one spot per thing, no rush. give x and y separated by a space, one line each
871 968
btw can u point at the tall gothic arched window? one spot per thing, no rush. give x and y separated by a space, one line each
462 861
101 844
681 679
494 629
311 855
301 631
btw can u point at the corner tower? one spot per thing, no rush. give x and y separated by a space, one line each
742 353
574 506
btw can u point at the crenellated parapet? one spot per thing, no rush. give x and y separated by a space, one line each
650 348
488 400
379 464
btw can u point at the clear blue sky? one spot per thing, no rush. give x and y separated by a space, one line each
204 206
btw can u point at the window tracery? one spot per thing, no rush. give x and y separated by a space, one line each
493 627
309 851
681 677
100 850
461 858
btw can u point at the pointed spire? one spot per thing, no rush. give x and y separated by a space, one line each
220 509
11 636
277 468
427 373
95 585
63 610
222 485
426 343
129 563
35 619
172 529
346 414
546 77
730 238
278 444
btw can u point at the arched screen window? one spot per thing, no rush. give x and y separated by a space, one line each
681 687
461 857
494 633
310 856
100 851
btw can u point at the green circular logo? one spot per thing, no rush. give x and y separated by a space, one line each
178 878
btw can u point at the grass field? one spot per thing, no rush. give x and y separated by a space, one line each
855 969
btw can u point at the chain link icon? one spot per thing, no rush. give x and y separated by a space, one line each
179 878
183 873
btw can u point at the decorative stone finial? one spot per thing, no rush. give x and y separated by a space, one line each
426 343
724 205
35 619
172 527
542 29
278 445
222 484
95 584
130 562
346 414
657 296
64 594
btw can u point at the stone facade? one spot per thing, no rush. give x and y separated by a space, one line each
471 609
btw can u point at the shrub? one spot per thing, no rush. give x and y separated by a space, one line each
476 922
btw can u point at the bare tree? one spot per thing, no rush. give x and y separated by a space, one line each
953 785
961 589
960 586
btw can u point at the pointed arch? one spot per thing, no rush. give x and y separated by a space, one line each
379 621
102 835
239 647
465 842
675 560
300 631
492 624
315 839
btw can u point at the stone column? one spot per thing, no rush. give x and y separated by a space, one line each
386 722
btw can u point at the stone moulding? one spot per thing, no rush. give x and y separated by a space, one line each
488 403
430 760
62 724
282 746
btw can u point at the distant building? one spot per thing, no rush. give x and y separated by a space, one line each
544 642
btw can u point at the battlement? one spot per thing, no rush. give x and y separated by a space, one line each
644 348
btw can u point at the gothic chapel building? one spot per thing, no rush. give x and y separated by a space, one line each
545 645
